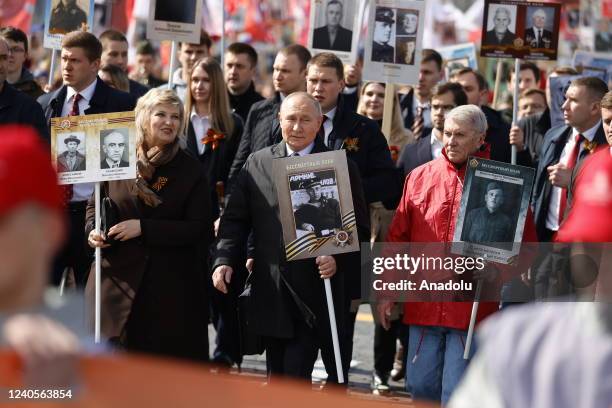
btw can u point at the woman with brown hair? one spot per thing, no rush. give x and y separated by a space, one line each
213 131
153 272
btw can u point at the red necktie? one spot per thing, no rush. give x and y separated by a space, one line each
74 111
571 163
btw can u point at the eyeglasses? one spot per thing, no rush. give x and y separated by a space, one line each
16 50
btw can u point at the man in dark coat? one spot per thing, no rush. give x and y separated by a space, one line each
71 159
333 36
115 52
17 74
287 298
262 128
17 107
500 35
383 26
67 16
83 93
537 36
240 68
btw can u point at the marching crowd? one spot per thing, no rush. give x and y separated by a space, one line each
200 222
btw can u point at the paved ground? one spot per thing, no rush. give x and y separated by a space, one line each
254 367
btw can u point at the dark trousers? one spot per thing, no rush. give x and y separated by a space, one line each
385 345
75 254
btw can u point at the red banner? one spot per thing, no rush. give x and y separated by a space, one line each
17 13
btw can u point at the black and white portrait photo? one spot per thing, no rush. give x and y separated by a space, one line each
407 22
176 11
68 15
406 47
315 202
114 151
487 221
539 27
334 26
70 152
384 24
501 25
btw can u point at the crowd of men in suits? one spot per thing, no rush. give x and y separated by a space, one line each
287 302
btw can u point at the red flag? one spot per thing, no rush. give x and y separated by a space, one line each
17 13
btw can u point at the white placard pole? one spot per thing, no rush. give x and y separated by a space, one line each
515 102
172 65
334 330
52 67
470 334
98 267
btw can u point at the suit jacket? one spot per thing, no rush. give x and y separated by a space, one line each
17 107
104 100
491 38
415 154
62 163
550 153
342 42
531 37
137 89
104 164
406 104
281 291
534 128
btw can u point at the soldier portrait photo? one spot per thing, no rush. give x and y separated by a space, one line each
408 22
384 23
114 148
70 152
314 198
67 16
487 221
501 26
539 23
331 32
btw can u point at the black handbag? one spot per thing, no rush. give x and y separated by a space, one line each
109 216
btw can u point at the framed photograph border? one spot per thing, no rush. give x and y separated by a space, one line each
174 31
54 41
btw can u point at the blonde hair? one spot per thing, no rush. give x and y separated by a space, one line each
145 106
220 111
400 136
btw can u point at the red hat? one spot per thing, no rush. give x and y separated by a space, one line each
590 219
26 174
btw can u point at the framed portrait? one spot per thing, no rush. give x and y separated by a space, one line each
64 16
493 210
459 56
520 29
91 148
394 43
334 27
175 20
316 205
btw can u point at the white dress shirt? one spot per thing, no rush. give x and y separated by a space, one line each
328 125
81 191
552 218
305 151
436 145
200 124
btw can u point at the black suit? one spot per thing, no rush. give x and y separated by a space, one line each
534 128
137 89
104 100
104 164
342 42
241 104
416 154
531 38
406 105
492 39
287 298
18 108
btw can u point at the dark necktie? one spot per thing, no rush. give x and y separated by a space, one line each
294 154
74 111
571 163
321 132
417 125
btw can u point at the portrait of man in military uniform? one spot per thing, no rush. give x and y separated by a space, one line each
70 159
66 16
489 224
383 28
320 214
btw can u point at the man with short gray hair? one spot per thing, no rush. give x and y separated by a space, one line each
500 34
537 36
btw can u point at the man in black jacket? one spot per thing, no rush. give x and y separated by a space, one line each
83 93
115 52
262 127
17 75
15 106
240 68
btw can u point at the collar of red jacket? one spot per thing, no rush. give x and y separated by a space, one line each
484 153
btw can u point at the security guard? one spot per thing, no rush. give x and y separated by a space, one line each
381 50
67 16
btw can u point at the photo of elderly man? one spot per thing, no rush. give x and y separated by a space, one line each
114 143
500 33
408 22
537 36
70 159
333 36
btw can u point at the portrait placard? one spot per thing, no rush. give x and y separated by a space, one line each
493 210
394 42
175 20
92 148
334 27
64 16
316 205
520 29
459 56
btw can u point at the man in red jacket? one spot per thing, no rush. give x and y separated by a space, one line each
427 213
